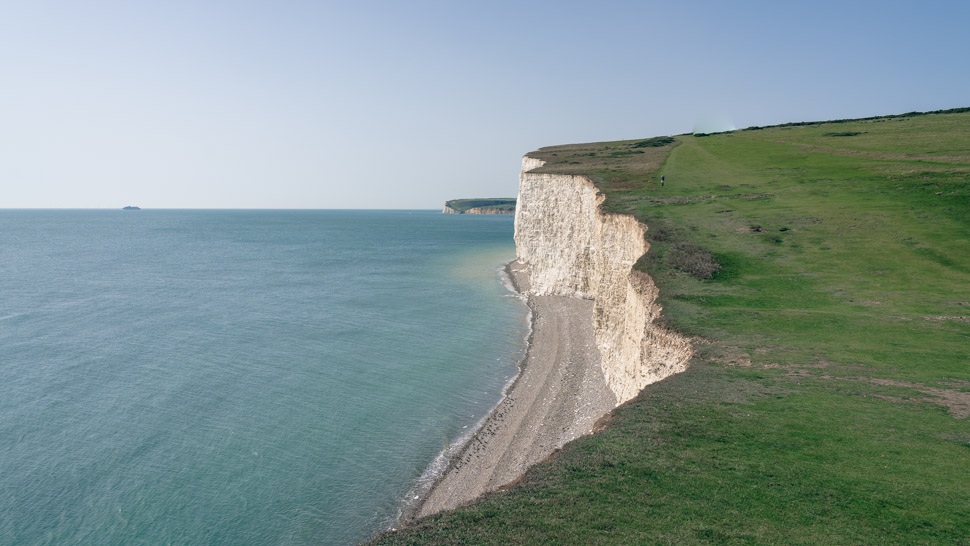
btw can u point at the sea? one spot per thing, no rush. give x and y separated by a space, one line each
241 376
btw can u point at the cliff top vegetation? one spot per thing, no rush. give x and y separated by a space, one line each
829 400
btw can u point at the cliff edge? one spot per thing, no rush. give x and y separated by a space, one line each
594 342
573 248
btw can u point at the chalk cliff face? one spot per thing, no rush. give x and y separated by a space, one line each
487 210
475 210
572 248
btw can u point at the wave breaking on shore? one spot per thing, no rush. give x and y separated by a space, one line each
435 471
557 396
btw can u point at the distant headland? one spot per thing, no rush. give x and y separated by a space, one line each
493 205
131 207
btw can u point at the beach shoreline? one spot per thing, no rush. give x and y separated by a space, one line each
557 396
442 463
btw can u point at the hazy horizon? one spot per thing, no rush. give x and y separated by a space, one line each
277 209
302 105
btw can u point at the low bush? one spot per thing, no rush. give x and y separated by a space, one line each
692 259
654 142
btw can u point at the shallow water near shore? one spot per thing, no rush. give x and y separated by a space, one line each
270 377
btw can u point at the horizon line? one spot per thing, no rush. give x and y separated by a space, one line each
207 208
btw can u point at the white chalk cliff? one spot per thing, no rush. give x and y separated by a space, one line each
474 210
573 248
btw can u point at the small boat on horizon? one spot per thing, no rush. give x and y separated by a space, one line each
131 207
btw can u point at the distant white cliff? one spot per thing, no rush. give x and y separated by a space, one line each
480 205
475 210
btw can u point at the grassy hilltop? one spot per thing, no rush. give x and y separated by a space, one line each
824 270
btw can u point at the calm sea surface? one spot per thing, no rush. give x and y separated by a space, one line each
240 377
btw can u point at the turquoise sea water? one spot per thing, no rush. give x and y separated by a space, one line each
240 377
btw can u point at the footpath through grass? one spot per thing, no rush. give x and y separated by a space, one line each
830 396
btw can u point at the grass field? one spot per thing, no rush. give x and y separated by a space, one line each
830 396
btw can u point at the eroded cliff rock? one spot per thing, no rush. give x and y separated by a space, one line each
487 210
572 248
475 210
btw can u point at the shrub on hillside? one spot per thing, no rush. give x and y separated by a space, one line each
654 142
692 259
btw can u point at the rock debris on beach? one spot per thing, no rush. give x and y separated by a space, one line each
557 398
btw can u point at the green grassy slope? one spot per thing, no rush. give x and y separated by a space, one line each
830 396
504 204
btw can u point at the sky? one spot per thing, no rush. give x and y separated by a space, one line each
403 105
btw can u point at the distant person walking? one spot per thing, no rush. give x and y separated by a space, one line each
661 181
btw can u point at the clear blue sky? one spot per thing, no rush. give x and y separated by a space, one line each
243 104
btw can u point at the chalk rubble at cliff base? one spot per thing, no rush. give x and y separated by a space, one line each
558 397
